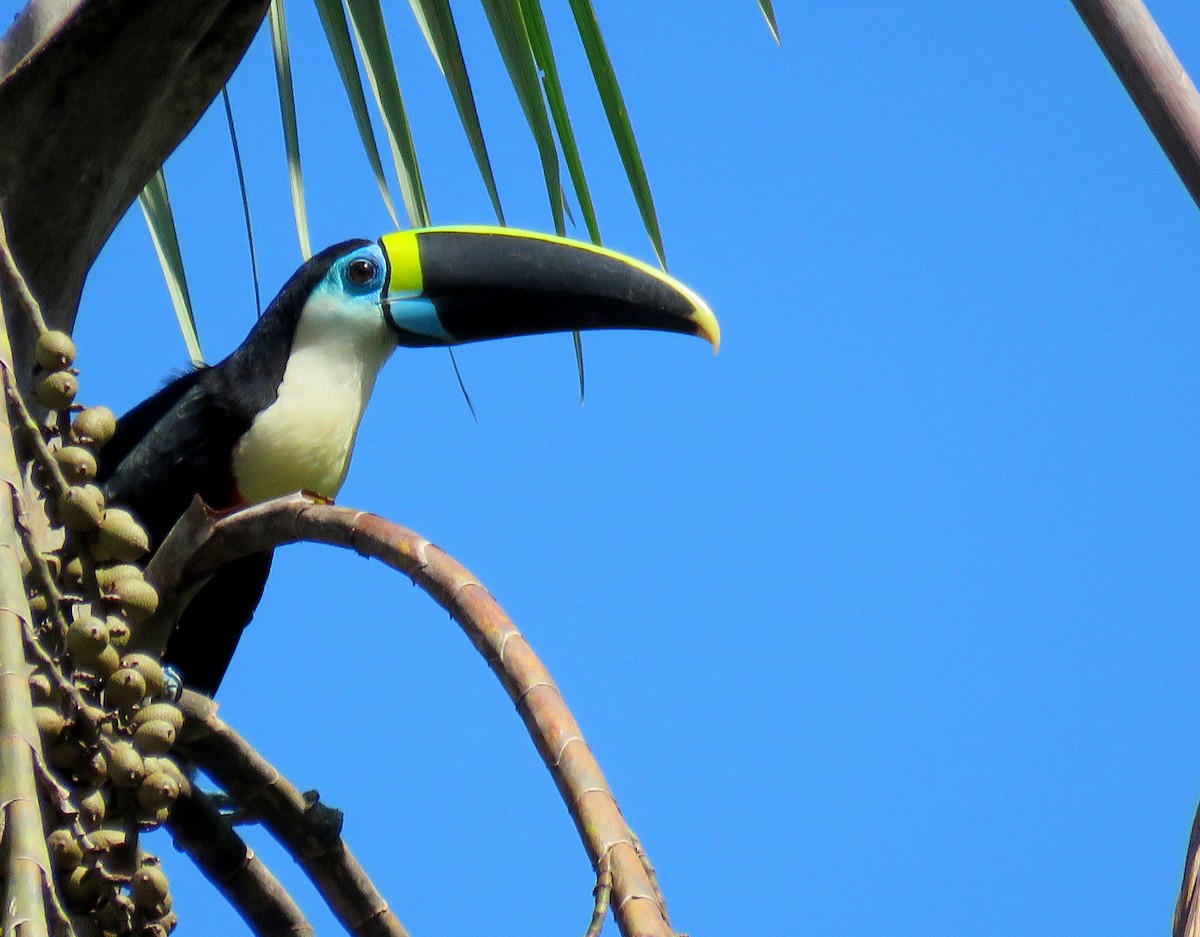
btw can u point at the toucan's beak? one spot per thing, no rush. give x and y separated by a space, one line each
446 286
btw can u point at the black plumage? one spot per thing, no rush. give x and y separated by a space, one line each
179 443
241 425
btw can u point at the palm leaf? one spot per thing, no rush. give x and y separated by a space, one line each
337 34
287 108
618 119
156 208
543 55
462 385
241 176
366 16
508 26
768 11
437 23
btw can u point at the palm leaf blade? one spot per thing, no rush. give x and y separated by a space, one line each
366 16
241 177
768 12
156 208
337 34
287 108
441 33
618 119
508 27
543 54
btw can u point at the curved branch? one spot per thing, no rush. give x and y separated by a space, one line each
203 541
1187 906
209 840
310 834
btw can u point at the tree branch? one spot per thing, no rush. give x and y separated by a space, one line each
1187 911
310 831
1154 78
1160 87
202 541
210 841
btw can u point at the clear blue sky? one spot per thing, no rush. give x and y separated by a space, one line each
884 620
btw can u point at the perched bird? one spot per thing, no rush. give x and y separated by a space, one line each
281 413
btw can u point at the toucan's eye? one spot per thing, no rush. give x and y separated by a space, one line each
362 271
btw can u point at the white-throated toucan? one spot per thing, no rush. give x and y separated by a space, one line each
280 413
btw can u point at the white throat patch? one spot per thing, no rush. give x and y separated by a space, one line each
303 441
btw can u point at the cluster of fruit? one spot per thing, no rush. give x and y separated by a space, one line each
106 726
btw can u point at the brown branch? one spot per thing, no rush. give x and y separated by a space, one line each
1154 78
202 541
20 287
88 718
1187 911
29 428
603 897
211 842
307 829
1160 87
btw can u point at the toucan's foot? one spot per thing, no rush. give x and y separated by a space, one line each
325 822
172 684
231 810
217 513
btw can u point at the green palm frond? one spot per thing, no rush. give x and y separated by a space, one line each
287 108
512 38
437 23
337 33
522 37
241 177
366 17
768 11
618 119
156 208
543 55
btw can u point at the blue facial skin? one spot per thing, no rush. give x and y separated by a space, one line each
415 319
361 272
352 289
412 316
358 284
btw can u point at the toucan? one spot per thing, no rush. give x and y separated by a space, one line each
280 414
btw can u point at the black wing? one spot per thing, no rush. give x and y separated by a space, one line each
141 419
172 447
168 449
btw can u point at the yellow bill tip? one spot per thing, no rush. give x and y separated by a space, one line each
707 326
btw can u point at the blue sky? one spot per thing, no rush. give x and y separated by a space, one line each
881 621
